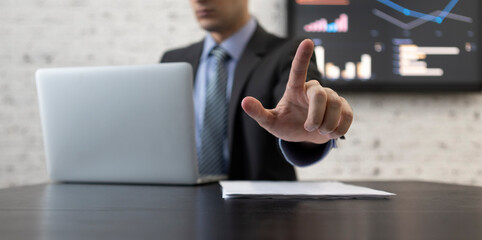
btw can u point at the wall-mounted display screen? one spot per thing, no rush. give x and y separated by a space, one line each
393 44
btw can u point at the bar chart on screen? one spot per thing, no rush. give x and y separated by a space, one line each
322 25
361 70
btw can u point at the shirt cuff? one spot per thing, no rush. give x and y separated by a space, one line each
305 154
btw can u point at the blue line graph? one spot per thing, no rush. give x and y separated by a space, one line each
438 19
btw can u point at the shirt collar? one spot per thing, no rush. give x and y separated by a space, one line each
235 44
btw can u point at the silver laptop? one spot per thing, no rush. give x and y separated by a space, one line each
124 124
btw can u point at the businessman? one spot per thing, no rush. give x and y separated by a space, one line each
260 106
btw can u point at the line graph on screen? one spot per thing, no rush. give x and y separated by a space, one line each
437 16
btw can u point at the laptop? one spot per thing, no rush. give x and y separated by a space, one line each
120 124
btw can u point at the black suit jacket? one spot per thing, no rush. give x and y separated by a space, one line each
262 72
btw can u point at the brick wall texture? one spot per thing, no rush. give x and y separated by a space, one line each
422 136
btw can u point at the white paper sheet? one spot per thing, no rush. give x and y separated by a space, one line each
283 189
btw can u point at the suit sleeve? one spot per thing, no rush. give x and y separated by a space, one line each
299 154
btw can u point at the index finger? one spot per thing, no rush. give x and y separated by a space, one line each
300 64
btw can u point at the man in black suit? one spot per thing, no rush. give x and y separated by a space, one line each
302 118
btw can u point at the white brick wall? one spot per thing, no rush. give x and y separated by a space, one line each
409 136
395 136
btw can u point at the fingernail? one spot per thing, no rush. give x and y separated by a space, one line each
310 129
323 132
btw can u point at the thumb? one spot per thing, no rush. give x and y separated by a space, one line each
255 110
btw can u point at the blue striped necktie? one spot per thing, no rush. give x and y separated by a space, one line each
214 129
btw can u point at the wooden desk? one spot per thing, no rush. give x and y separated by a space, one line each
421 210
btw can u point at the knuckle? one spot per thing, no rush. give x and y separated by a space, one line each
319 94
312 83
348 116
335 103
340 132
297 71
330 91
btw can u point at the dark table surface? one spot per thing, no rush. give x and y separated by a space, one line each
421 210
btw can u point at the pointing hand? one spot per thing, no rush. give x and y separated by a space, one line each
307 112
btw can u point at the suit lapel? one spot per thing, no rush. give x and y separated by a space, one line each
252 55
193 56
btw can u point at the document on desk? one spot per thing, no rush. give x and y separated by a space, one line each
307 190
